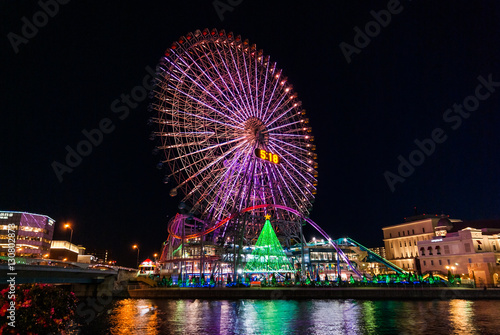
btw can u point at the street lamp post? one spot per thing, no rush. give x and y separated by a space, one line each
67 226
135 246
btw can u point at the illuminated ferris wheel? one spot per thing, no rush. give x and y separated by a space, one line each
231 129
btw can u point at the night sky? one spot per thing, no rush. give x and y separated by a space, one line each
396 88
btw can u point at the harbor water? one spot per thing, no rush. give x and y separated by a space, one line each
165 316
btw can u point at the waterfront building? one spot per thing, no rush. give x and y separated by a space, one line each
401 240
63 250
468 249
33 233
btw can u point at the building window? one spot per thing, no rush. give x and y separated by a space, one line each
409 243
399 233
479 245
423 230
422 251
440 262
432 262
400 245
470 260
408 232
467 247
405 243
446 249
430 250
392 245
494 246
413 231
424 263
403 233
390 235
438 250
448 261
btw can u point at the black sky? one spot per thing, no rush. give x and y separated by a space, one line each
364 114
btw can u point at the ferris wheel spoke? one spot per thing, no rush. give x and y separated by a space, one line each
274 183
209 165
191 97
284 125
197 81
247 72
232 185
301 195
288 135
286 153
286 186
223 80
208 148
179 145
279 117
180 133
240 81
264 90
267 111
225 173
211 80
245 188
277 105
295 167
206 105
291 145
197 116
256 85
245 108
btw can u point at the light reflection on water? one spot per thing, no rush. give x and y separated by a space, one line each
151 316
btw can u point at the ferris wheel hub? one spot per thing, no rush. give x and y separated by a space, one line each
256 131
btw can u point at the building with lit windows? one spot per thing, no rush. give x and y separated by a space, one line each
471 253
64 250
401 240
33 233
379 251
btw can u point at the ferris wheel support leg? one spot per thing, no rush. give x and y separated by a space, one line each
239 237
302 242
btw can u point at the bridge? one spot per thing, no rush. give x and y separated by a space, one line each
83 279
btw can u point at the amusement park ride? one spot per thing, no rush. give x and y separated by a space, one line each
238 146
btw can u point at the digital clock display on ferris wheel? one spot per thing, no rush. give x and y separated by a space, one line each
268 156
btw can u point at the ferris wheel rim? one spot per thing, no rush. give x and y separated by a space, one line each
282 142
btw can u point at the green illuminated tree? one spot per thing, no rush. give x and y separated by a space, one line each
268 255
212 281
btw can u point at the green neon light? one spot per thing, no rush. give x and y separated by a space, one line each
268 255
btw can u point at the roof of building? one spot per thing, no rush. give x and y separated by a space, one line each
18 212
491 226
